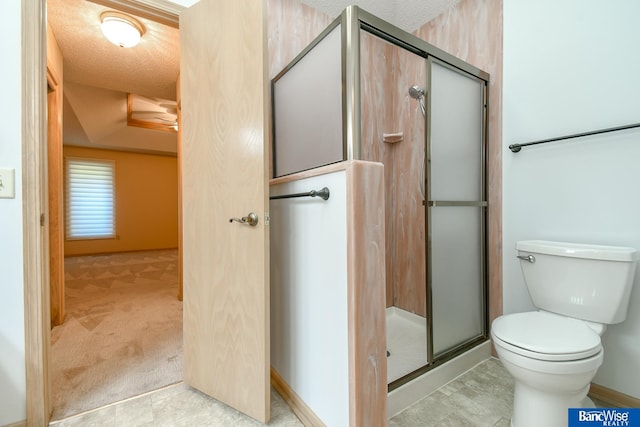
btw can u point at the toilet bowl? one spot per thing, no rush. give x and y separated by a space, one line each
554 353
552 359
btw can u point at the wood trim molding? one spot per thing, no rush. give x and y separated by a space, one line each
297 405
34 194
323 170
613 397
55 206
127 150
179 155
143 123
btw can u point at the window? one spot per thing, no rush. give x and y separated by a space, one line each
90 199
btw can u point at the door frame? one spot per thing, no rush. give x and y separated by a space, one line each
54 182
35 193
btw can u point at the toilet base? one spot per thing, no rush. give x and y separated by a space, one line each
544 391
534 408
586 403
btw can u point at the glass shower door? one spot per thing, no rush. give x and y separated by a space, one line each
456 206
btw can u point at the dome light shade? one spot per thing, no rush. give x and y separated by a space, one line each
121 29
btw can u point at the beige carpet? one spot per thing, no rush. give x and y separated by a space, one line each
122 335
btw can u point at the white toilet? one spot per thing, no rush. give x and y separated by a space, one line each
554 353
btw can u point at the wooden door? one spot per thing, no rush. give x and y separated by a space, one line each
224 99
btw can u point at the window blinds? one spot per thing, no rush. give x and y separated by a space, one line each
90 199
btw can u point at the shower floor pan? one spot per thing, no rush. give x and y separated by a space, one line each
406 341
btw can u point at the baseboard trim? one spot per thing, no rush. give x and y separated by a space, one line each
18 424
297 405
613 397
129 251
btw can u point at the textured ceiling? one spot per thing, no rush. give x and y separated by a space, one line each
98 75
406 14
149 69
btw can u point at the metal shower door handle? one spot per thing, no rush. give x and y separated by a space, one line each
529 258
251 219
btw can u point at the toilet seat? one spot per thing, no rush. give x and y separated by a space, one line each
546 336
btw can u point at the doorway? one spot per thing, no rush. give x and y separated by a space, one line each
120 333
251 96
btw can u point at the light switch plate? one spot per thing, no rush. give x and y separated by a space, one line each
7 187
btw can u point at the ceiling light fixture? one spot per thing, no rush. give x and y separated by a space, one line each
121 29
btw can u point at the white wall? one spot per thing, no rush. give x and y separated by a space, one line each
309 313
571 66
12 368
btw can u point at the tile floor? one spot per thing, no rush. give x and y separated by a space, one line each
483 396
177 406
480 397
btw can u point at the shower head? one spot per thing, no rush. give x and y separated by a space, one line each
416 92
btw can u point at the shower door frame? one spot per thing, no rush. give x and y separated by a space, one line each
352 21
482 204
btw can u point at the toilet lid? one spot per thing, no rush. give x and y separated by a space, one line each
547 336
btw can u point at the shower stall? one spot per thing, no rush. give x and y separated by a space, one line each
367 90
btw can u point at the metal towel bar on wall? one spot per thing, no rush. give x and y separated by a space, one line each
517 147
322 193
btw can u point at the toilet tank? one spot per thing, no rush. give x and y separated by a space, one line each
589 282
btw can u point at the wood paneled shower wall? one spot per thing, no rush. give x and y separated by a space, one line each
472 31
387 72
